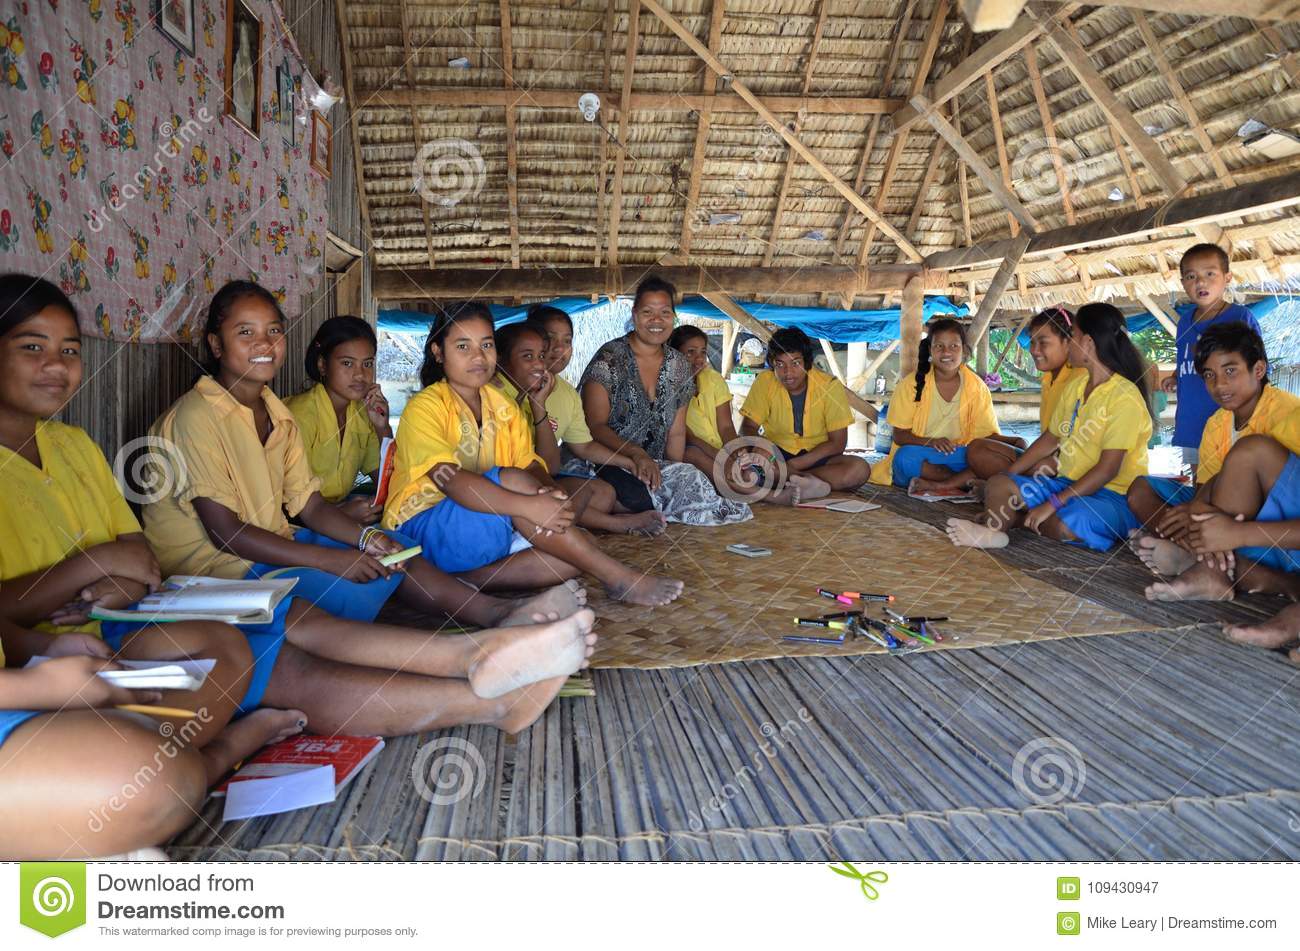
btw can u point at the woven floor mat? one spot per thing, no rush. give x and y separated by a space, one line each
738 608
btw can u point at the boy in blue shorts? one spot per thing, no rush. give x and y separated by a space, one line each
1206 271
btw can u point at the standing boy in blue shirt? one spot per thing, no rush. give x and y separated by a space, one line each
1206 271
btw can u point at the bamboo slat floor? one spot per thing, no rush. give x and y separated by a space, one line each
1170 745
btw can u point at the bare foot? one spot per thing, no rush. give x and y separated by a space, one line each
511 658
1276 632
650 590
550 605
1198 583
790 494
521 708
245 736
1162 556
810 487
971 535
649 523
921 485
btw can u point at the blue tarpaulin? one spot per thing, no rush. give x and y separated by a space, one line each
840 326
1146 320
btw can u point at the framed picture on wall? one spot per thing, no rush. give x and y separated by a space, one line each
243 66
284 103
322 149
175 18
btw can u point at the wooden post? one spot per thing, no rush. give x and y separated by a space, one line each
997 287
982 355
910 322
1167 321
1011 342
831 362
728 347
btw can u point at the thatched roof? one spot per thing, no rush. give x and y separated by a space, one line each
567 169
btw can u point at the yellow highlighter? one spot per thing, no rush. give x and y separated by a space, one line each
397 557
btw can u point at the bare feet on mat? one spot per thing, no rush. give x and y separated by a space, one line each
810 487
650 590
1162 556
550 605
1198 583
790 494
510 659
1276 632
245 736
649 523
970 535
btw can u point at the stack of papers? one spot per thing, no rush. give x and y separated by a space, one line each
154 674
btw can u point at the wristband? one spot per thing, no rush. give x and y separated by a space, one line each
1055 501
366 534
545 417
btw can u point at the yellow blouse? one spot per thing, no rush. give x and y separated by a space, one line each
1052 390
702 411
1277 415
1114 416
68 505
221 458
437 426
334 460
974 412
825 409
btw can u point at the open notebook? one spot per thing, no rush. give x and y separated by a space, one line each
188 598
851 506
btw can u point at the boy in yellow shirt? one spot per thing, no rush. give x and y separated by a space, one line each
804 415
1106 420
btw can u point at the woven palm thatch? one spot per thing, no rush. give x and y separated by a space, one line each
436 138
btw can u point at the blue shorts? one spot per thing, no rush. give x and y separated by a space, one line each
353 600
1282 504
265 641
1098 521
459 539
11 720
909 459
1170 491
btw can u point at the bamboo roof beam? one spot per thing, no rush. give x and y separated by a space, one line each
1091 80
997 287
624 115
1162 316
474 97
708 85
469 282
777 126
793 159
1000 142
977 165
415 125
602 211
1049 131
512 153
354 106
1170 77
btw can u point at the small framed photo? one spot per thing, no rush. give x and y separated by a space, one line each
284 103
243 66
322 148
175 19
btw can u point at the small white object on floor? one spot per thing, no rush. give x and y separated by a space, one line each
248 798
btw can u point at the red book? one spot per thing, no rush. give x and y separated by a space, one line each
387 455
347 754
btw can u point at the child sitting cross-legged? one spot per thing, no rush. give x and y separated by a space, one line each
1106 423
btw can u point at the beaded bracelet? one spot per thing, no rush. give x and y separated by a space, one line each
366 534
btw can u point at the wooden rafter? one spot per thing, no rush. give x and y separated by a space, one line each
601 210
689 38
999 140
1049 130
793 159
967 154
1251 198
354 110
1194 124
1162 316
1095 85
986 15
415 124
929 47
496 97
512 153
708 85
997 287
624 117
444 283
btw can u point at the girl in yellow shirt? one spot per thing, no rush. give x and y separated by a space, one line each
554 409
804 415
1077 492
468 486
242 467
343 419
